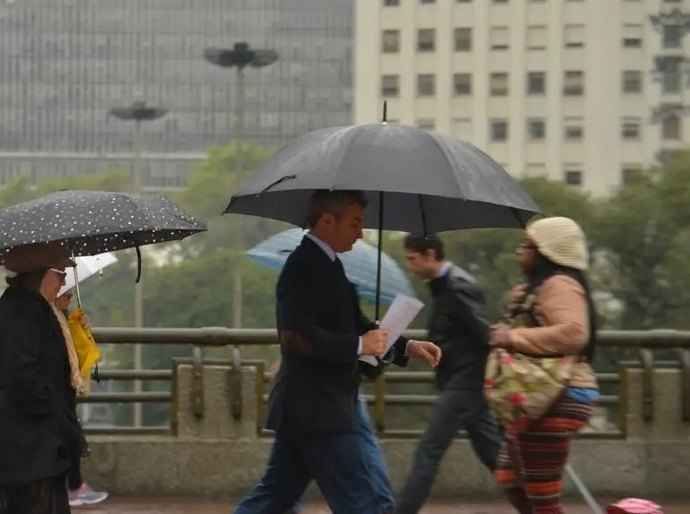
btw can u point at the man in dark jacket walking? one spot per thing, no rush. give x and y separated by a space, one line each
314 401
458 324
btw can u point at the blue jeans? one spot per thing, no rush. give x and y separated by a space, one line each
348 468
377 472
455 409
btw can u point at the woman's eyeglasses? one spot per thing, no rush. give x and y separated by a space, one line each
60 272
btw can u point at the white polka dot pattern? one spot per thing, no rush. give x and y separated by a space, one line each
93 222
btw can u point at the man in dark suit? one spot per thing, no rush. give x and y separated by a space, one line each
312 406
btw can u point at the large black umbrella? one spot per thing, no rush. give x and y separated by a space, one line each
428 182
93 222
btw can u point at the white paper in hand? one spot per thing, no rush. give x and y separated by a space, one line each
400 314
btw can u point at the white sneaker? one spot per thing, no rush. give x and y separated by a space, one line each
85 496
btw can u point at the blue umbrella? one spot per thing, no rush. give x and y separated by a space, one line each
359 264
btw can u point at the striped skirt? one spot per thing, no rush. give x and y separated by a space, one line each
536 458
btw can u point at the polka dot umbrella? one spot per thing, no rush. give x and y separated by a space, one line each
93 222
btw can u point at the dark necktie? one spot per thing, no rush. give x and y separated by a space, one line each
339 265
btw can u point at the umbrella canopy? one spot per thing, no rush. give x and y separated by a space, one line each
93 222
430 182
87 266
359 263
415 180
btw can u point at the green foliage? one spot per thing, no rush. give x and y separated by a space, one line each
209 187
21 190
643 238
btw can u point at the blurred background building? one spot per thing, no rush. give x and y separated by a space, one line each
64 64
584 91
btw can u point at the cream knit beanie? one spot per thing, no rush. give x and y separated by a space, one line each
560 240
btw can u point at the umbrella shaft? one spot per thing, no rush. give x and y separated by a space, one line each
378 260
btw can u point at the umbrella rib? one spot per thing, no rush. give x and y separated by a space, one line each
273 184
517 217
423 215
448 159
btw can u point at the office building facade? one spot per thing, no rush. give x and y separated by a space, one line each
589 92
65 63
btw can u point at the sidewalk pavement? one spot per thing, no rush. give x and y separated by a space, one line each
120 505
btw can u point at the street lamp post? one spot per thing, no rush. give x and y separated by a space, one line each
239 57
138 112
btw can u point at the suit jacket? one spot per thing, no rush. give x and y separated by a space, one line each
319 323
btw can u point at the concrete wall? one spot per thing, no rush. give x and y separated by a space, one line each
218 455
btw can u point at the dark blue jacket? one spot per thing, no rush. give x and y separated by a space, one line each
319 323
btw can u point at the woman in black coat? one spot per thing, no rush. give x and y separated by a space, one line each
39 433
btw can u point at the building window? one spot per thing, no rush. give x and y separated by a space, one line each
499 38
499 130
390 86
632 36
426 85
536 37
574 83
574 36
573 177
462 129
672 36
462 84
426 40
391 41
574 130
536 83
671 82
670 127
631 129
500 1
536 129
464 1
632 81
630 173
426 124
427 1
498 84
463 39
391 3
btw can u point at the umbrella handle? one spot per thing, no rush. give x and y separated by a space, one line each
138 265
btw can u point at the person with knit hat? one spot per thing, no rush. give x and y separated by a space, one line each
552 314
39 433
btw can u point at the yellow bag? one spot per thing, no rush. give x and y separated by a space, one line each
84 343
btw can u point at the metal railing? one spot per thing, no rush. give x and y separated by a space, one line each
644 342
